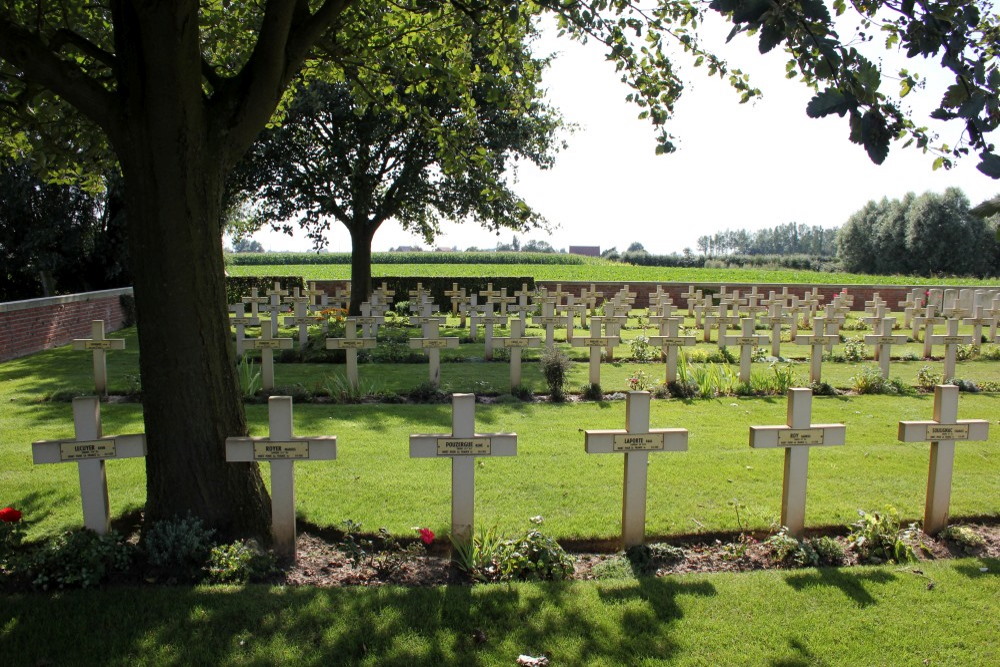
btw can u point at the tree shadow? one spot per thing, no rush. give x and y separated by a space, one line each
849 583
487 624
975 571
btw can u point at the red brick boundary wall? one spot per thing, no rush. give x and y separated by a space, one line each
29 326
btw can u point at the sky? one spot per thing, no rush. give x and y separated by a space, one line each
749 166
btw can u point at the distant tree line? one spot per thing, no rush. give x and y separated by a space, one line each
926 235
788 239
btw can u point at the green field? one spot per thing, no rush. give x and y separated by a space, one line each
597 273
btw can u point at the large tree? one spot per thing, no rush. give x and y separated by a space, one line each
359 160
177 90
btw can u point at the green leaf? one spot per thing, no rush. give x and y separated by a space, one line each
827 102
989 164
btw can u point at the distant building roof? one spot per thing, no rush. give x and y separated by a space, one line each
586 250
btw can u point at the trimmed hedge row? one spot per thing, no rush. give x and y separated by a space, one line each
271 258
238 287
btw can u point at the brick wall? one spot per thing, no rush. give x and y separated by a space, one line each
39 324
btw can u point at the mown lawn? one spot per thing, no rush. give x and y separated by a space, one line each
940 614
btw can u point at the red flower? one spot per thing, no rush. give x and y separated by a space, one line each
426 535
11 515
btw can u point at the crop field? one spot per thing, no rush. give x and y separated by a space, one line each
606 272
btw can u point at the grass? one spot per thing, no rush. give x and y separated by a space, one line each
598 273
943 614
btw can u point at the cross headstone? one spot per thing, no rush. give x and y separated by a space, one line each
884 342
612 326
241 321
951 341
369 322
452 294
832 321
746 341
282 449
977 321
302 319
463 445
351 343
669 341
689 296
927 321
432 343
942 432
503 300
516 342
775 318
816 341
489 321
89 450
267 344
255 301
636 442
596 343
99 346
796 437
549 320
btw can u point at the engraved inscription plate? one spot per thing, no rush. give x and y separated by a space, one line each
97 345
464 447
87 449
595 342
517 342
954 340
748 340
262 344
638 442
938 432
801 436
263 451
434 343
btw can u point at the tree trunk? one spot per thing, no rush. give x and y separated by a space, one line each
173 192
361 266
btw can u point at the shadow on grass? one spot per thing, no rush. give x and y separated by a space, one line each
975 571
603 624
849 583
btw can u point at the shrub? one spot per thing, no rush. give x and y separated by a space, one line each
387 557
877 538
788 551
427 392
682 389
648 558
239 563
927 379
77 559
555 368
178 547
592 392
828 550
964 537
641 350
965 352
821 388
521 391
965 385
639 381
534 557
855 349
870 381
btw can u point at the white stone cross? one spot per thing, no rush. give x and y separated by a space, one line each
942 432
776 317
351 343
267 344
99 345
282 449
89 450
550 321
254 301
302 319
883 342
669 342
978 321
596 344
489 321
951 341
746 340
690 296
273 310
636 441
453 295
927 321
369 323
796 437
241 321
504 300
463 445
432 343
817 340
516 342
612 325
832 321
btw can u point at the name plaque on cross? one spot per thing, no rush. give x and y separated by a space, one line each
274 450
649 442
98 345
464 447
87 449
947 432
801 436
434 343
519 342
